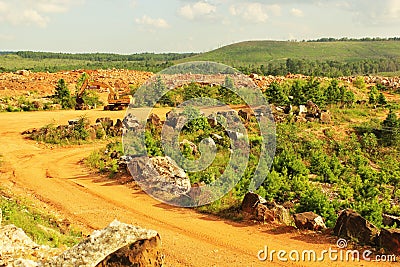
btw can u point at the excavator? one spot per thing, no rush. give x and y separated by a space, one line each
115 102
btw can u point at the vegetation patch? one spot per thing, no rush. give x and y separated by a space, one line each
44 229
106 160
77 132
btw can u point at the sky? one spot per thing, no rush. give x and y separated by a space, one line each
135 26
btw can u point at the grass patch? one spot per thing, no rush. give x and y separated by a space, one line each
43 229
101 160
351 115
226 207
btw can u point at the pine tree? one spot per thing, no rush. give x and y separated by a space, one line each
391 129
372 96
63 95
381 99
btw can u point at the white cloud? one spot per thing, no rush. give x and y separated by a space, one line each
254 12
30 12
157 23
32 16
197 10
296 12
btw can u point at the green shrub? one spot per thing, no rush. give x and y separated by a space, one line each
316 201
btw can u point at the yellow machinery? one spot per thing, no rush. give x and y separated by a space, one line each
115 102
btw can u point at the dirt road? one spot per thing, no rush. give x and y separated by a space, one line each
55 176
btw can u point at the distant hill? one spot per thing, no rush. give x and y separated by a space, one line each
343 57
261 52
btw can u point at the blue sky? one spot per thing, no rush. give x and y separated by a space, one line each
131 26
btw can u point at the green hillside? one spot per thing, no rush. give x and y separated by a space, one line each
259 52
334 58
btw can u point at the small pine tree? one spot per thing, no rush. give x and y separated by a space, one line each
381 99
372 96
63 95
391 129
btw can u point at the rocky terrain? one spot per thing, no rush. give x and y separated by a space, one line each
21 82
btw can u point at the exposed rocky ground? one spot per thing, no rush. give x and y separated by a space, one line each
24 88
21 82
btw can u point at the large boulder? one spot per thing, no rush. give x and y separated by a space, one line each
159 174
309 220
312 109
389 239
272 212
352 225
118 244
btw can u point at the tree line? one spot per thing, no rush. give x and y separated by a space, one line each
104 56
346 39
328 68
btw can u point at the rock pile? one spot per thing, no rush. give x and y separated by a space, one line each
260 209
304 113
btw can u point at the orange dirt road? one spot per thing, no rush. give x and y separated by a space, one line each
55 177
